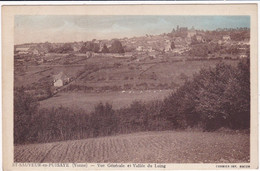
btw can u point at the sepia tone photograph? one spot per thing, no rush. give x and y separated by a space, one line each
132 89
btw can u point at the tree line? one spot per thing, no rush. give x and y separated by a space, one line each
89 46
206 49
213 98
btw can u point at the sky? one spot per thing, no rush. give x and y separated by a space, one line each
61 28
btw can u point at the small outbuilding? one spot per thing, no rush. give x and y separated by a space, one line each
60 80
226 38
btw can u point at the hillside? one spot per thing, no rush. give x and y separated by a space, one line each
120 86
139 63
144 147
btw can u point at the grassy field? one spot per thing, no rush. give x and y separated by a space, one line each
88 101
34 74
160 75
144 147
141 78
120 74
165 71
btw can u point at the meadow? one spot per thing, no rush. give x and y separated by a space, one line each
142 76
44 73
143 147
122 85
88 101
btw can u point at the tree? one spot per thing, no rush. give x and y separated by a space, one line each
25 108
105 49
210 96
116 47
67 47
172 45
240 35
95 48
215 97
103 120
237 96
90 46
223 98
199 50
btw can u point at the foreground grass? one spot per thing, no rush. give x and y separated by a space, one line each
145 147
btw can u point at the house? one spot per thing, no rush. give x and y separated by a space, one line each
220 42
39 61
96 41
191 32
76 48
199 38
147 49
243 56
246 40
168 47
89 54
178 39
60 79
139 48
153 54
181 29
22 50
151 41
128 54
226 38
35 52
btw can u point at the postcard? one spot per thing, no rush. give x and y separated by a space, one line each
118 87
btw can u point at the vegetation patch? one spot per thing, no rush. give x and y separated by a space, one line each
215 97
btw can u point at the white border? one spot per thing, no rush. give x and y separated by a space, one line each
116 2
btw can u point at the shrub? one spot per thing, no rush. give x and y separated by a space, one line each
103 121
25 107
116 47
105 49
215 97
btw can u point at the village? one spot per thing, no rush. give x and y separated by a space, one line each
122 64
177 43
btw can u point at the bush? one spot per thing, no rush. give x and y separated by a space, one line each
105 49
116 47
203 49
215 97
89 46
65 48
103 121
60 124
25 107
